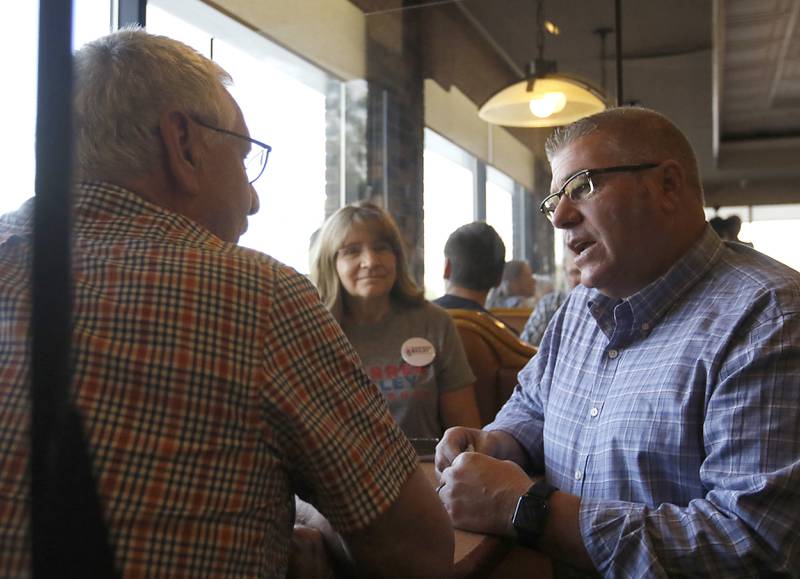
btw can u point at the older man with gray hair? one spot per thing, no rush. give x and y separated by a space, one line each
213 383
657 431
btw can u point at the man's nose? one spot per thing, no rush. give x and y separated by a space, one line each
255 204
567 214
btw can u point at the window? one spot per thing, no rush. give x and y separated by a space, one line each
270 84
91 18
457 194
772 229
500 207
18 99
283 101
290 116
448 203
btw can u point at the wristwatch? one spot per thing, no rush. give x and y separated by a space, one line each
531 513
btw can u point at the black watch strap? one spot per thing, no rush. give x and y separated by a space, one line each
531 513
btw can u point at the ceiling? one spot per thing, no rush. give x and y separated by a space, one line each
726 71
760 50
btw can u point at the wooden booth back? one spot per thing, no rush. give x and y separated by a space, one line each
514 317
495 355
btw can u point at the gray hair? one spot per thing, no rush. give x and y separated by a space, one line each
634 135
123 83
513 269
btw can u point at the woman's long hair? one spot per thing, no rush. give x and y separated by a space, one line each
330 239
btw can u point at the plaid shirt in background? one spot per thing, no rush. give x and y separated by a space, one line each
675 417
213 384
544 311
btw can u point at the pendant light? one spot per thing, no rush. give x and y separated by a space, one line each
544 98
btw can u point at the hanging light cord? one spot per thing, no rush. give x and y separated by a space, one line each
539 29
539 67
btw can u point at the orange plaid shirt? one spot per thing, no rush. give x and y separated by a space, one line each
213 385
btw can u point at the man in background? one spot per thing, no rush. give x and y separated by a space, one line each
656 433
728 229
474 257
517 287
548 305
213 384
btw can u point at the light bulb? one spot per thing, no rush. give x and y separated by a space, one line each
548 104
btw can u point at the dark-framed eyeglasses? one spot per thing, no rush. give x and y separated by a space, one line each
355 250
256 160
581 186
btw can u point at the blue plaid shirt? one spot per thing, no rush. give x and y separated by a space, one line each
675 416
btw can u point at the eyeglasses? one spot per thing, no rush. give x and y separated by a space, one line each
256 160
355 250
580 186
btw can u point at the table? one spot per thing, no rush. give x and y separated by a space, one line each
492 557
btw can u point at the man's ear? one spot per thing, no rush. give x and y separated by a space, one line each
181 146
448 268
672 185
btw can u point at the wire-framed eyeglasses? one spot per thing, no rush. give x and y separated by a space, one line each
256 160
581 186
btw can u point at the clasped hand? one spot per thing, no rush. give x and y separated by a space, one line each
480 492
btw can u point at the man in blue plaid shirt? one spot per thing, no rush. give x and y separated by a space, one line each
657 431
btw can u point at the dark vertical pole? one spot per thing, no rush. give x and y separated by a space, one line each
68 533
385 149
479 191
618 28
521 203
51 275
132 12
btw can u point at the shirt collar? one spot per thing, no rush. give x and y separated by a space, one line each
650 304
98 201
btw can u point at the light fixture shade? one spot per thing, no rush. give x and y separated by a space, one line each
511 107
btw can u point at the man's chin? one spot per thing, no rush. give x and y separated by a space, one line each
590 278
240 234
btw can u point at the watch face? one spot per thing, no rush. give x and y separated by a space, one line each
530 515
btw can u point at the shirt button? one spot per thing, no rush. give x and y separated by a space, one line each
594 412
613 354
645 326
578 475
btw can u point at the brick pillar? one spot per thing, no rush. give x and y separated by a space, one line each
542 259
395 125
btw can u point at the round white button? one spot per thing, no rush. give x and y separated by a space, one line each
578 475
417 352
612 354
594 412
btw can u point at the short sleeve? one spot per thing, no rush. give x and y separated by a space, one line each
339 440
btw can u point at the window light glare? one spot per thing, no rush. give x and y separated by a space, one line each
548 104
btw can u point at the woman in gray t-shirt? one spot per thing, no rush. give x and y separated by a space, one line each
409 347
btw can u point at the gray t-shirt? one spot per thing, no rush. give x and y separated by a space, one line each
412 392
